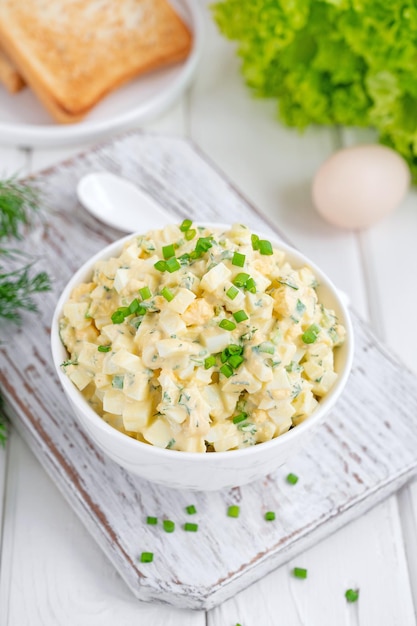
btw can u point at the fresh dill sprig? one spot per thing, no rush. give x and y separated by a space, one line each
17 289
17 200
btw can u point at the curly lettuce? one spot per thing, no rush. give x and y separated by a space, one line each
332 62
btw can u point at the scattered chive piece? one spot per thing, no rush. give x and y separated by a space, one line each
233 511
251 285
227 325
104 348
161 266
169 525
191 527
226 370
145 293
203 244
292 479
239 418
255 242
240 279
151 520
118 317
185 225
265 247
190 234
168 251
209 362
184 258
146 557
235 360
172 265
240 316
238 259
234 349
232 292
311 334
224 356
352 595
270 516
300 572
191 510
134 306
167 294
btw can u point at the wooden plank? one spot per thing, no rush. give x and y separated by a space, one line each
358 458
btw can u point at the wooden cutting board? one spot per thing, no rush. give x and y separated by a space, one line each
366 450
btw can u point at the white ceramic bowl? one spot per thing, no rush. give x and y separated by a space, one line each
215 470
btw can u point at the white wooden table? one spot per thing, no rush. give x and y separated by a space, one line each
51 570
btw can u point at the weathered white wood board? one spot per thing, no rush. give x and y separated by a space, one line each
366 451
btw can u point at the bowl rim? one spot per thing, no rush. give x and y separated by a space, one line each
324 406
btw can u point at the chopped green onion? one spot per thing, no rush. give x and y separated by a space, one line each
134 306
270 516
168 525
167 294
168 251
234 349
185 225
224 356
190 234
255 242
118 317
226 370
232 292
161 266
265 247
227 325
311 334
191 527
235 360
146 557
191 510
172 265
151 520
240 316
292 479
352 595
300 572
210 361
104 348
184 258
204 244
239 418
238 259
145 293
240 279
251 285
233 511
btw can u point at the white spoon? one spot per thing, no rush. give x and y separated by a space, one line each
119 203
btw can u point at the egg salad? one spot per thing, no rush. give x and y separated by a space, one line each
200 340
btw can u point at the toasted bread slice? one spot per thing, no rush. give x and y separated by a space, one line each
9 74
73 52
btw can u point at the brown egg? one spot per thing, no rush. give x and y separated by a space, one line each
360 185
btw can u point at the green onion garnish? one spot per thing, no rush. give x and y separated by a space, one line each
232 292
235 360
226 370
145 293
185 225
233 511
146 557
240 279
204 244
210 361
151 520
292 479
227 325
240 316
134 306
311 334
191 510
270 516
255 242
172 265
168 251
265 247
234 349
352 595
184 258
104 348
167 294
168 525
251 285
238 259
300 572
224 356
240 418
191 527
118 317
160 266
190 234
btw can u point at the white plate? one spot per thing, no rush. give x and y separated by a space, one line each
24 121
